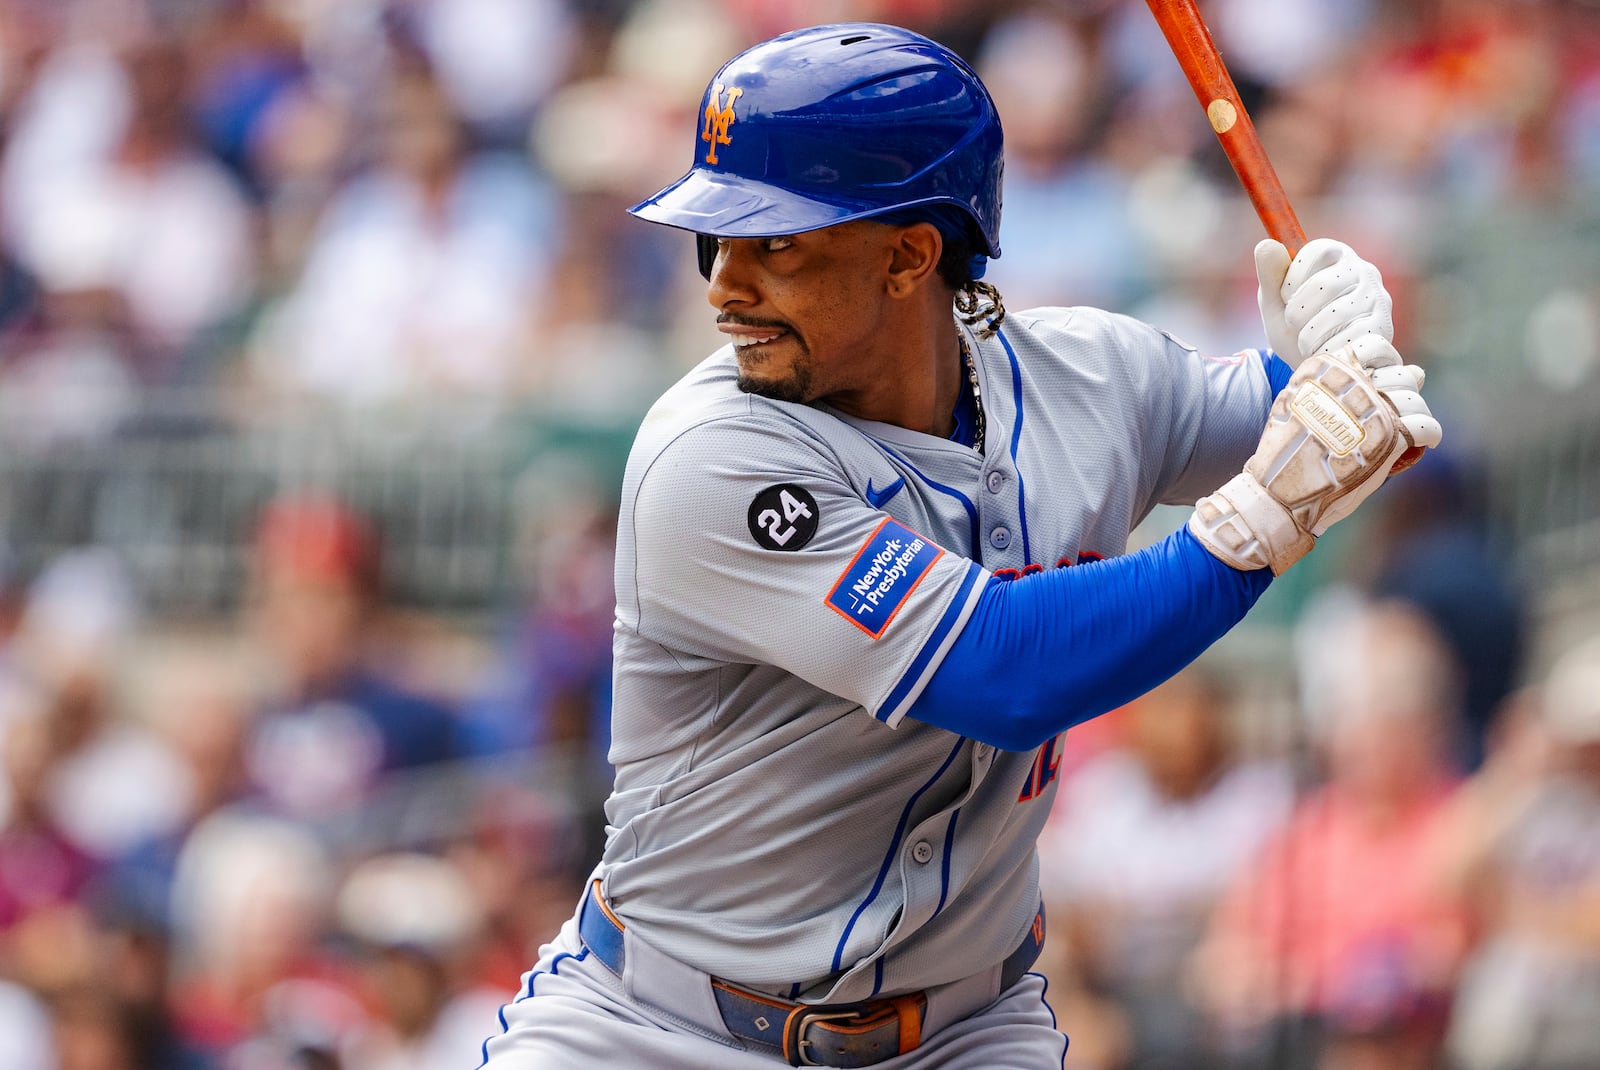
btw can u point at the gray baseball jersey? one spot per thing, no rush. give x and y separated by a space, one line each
788 578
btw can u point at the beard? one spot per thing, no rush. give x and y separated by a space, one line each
793 386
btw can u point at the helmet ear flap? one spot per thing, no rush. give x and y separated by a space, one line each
705 251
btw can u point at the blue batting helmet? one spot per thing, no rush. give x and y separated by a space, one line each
835 123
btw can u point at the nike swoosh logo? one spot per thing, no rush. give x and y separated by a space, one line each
879 498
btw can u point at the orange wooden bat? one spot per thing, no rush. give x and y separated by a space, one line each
1197 54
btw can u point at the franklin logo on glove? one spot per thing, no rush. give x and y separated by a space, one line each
1327 419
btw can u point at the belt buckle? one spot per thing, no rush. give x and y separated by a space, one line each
794 1043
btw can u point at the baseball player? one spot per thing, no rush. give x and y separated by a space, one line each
871 567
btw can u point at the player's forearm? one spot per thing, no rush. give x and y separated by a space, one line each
1053 649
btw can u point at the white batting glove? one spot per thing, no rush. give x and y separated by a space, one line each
1331 439
1326 296
1402 385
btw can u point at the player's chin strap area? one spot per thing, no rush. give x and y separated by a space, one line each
807 1034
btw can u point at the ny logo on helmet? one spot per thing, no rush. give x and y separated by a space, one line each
719 117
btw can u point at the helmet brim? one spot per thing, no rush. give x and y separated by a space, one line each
731 206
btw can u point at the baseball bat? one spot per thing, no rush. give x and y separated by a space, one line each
1202 64
1197 54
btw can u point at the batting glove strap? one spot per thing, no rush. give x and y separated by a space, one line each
1330 441
1245 526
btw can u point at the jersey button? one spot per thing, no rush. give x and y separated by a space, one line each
997 480
1000 538
922 852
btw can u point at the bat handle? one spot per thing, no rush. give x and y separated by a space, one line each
1202 64
1270 202
1283 226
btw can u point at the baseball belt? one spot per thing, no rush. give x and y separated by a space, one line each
807 1034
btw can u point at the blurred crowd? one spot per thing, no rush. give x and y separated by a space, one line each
286 840
1358 900
327 829
380 201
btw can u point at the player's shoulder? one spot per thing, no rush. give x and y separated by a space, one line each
1121 346
1083 343
708 391
705 416
1068 325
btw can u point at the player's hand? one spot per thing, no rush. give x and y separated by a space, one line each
1402 384
1332 438
1327 296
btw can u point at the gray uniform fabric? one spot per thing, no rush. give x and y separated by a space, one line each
775 822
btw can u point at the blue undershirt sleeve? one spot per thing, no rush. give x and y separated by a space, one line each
1053 649
1278 372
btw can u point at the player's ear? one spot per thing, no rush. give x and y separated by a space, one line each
915 252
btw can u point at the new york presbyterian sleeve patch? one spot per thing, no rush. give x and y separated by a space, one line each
882 575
